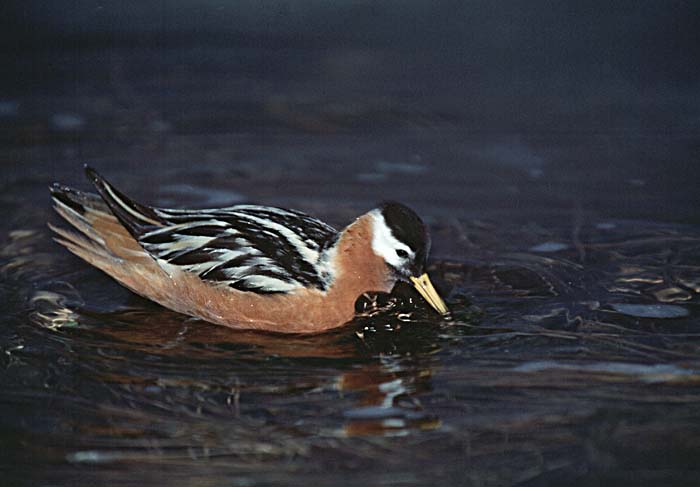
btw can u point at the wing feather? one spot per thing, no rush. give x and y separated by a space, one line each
247 247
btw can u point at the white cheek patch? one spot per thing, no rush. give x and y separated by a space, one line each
385 245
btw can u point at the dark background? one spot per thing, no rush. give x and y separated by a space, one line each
524 66
589 104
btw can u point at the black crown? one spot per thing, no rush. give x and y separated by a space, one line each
407 227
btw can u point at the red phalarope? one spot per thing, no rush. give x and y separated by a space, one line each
246 266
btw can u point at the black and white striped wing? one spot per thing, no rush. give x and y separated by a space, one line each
250 248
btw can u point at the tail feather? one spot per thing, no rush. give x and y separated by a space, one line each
77 200
90 254
97 235
74 238
78 220
101 237
135 217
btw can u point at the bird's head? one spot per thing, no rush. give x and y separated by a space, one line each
401 238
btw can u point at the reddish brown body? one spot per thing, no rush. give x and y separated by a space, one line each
107 245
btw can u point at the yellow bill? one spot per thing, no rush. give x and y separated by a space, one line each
426 289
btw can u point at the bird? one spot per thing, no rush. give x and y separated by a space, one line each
246 266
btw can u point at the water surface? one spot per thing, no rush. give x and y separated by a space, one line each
569 258
572 353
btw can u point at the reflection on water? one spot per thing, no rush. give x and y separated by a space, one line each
576 360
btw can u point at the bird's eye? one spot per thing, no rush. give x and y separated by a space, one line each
401 253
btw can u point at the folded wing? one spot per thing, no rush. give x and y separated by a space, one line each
246 247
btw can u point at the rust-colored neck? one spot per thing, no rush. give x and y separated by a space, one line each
358 268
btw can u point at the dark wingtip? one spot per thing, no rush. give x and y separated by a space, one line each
67 196
91 173
55 188
124 208
59 190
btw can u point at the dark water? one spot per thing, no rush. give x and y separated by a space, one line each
570 260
